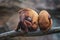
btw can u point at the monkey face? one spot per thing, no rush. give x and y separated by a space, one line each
24 17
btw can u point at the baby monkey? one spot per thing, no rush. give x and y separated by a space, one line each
44 21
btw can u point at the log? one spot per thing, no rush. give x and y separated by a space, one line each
14 33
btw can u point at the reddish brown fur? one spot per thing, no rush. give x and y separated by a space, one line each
30 13
45 22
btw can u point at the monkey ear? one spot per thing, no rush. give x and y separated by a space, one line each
49 17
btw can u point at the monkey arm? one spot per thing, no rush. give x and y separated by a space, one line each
28 23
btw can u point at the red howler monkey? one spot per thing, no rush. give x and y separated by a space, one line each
28 20
44 21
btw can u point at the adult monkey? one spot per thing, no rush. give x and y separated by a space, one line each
44 21
28 20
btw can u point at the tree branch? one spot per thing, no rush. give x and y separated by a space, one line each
37 33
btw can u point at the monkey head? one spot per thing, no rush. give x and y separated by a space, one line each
28 19
44 20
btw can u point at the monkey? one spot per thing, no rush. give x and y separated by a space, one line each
28 20
44 21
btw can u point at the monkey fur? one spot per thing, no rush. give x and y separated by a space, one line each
44 21
28 20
